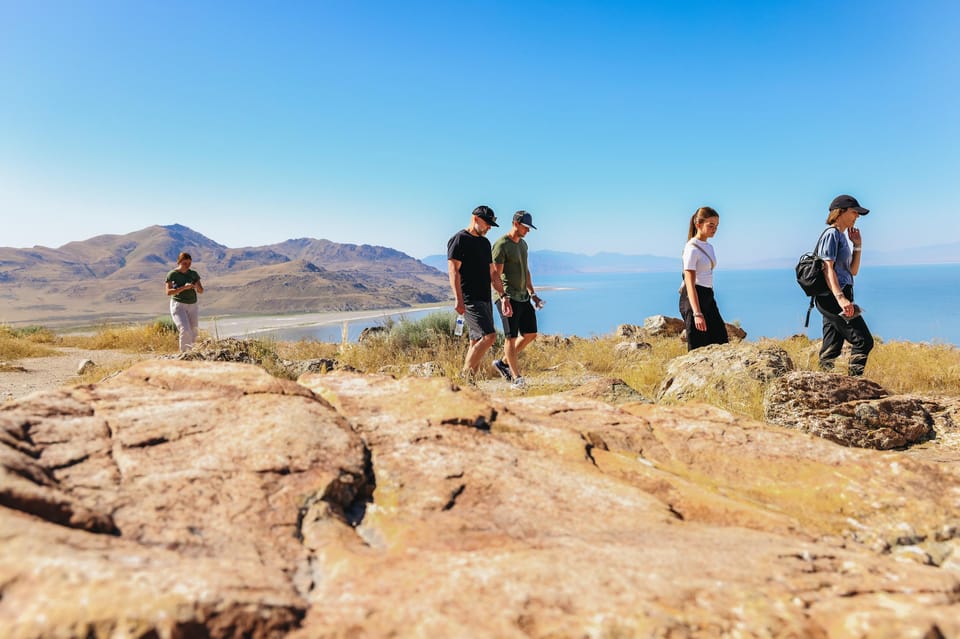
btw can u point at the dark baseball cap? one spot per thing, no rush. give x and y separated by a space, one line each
524 218
485 213
847 202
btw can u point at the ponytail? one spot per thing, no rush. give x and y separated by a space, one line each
701 214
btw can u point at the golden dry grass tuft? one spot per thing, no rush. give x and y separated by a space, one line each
907 367
157 337
17 343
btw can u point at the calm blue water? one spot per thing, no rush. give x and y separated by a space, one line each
914 303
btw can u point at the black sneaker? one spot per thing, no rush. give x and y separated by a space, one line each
503 369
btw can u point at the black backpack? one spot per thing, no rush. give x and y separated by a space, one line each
810 275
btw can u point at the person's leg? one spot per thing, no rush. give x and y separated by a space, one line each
862 342
180 319
832 335
193 323
510 331
478 317
519 324
686 312
523 333
478 348
716 327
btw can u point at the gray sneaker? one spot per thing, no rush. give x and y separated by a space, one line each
503 369
519 384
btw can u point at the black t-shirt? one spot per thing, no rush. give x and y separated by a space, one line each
475 258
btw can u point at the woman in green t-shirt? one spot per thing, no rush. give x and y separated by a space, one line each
183 284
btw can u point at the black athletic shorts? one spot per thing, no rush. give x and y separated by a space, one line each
479 319
522 322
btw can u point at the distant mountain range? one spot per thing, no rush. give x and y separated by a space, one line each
560 263
112 277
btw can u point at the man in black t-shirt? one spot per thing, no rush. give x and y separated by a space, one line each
471 271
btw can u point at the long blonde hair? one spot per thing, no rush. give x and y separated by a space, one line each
701 214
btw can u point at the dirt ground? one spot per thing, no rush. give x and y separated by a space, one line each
45 373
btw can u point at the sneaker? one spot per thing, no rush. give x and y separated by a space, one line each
519 384
503 369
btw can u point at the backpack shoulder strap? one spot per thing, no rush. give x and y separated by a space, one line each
713 264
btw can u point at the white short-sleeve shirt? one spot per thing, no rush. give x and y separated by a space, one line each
694 259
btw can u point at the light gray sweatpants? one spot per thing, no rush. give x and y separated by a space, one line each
187 319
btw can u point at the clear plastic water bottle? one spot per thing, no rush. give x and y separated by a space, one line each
458 327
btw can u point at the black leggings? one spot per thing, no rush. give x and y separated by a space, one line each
836 330
716 332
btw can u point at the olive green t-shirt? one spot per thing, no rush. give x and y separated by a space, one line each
513 256
180 279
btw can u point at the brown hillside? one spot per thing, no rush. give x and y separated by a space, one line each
114 277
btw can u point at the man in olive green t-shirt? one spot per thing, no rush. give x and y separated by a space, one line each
520 328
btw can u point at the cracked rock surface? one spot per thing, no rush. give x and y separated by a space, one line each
188 499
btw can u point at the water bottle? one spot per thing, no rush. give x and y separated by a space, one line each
458 327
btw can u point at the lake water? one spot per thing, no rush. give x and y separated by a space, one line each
913 303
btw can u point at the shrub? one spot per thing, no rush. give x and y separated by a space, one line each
33 341
408 343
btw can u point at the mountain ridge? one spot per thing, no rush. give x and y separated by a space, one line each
116 277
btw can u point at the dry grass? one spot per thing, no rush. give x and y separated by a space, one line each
157 337
403 347
100 372
305 349
906 367
17 343
409 344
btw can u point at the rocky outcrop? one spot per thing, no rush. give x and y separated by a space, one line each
848 410
169 501
663 326
250 351
607 389
720 365
209 499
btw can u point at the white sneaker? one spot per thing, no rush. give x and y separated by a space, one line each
519 384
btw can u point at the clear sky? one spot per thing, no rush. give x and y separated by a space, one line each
387 122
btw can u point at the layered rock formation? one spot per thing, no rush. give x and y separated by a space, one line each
209 499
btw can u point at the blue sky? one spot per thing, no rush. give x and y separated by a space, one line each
386 123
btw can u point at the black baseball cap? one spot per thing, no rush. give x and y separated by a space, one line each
485 213
847 202
524 218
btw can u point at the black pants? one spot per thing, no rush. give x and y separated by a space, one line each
836 330
716 332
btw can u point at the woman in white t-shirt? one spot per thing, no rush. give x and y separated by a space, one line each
698 306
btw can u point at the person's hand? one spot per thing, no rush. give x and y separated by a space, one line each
846 306
460 308
854 234
507 309
700 322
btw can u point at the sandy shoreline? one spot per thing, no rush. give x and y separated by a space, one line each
223 326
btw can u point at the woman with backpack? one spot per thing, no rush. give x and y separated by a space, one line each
698 306
841 262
